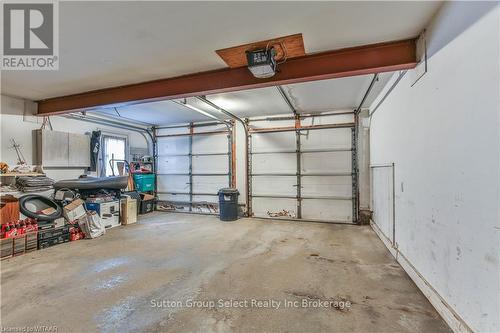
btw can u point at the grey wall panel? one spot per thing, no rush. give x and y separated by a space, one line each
211 164
269 185
268 207
211 184
327 186
326 162
327 210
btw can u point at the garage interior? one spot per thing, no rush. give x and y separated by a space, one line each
158 181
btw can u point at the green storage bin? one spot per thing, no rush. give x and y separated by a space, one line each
144 182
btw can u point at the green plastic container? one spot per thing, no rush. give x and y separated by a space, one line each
144 182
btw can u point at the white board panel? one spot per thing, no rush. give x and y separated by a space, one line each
78 150
382 196
327 210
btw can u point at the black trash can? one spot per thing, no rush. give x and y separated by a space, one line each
228 204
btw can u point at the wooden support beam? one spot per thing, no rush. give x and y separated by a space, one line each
361 60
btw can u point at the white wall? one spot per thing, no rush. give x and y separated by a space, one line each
443 134
17 122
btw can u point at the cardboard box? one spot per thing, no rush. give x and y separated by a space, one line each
128 211
60 222
109 212
74 210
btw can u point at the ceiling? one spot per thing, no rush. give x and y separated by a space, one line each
105 44
309 97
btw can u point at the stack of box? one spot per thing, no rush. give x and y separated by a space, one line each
128 210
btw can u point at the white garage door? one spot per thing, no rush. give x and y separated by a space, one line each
306 173
192 165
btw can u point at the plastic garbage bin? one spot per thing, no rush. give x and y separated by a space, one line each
228 204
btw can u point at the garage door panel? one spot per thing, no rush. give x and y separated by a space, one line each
173 145
328 120
174 197
173 183
326 139
215 143
271 207
210 164
206 198
272 185
272 142
173 164
274 163
326 162
327 186
210 184
329 210
326 197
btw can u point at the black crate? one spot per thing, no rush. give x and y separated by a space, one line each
44 243
147 206
50 233
31 241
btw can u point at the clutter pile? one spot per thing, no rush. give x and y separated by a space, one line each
34 184
83 208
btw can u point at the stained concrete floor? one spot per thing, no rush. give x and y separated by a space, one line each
118 282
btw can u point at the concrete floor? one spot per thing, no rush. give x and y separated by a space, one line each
115 283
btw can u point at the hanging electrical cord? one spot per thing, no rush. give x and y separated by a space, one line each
283 49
